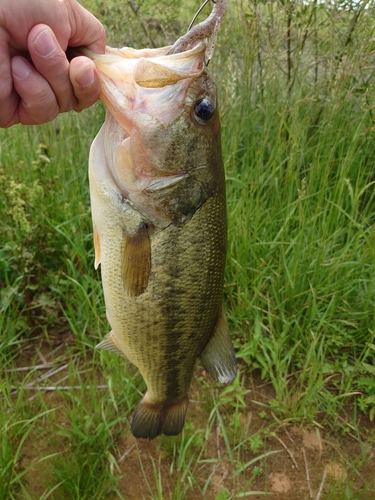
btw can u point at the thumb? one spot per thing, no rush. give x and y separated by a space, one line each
86 30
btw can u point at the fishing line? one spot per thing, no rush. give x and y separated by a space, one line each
198 12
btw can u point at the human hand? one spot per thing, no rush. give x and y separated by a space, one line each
37 82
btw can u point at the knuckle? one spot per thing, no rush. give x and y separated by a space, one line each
42 105
101 32
8 111
9 123
56 70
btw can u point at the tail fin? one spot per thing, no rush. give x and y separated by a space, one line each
150 420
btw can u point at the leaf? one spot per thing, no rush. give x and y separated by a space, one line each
369 368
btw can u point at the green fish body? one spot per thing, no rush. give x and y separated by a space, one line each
157 192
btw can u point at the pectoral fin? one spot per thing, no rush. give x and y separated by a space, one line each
98 253
218 356
136 261
109 344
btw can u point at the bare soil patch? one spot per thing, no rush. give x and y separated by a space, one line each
302 462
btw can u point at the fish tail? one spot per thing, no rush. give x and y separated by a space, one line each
150 420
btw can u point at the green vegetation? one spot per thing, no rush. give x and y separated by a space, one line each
296 93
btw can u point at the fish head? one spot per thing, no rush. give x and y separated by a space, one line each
162 129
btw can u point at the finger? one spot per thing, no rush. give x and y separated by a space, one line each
38 102
8 97
86 29
85 81
51 62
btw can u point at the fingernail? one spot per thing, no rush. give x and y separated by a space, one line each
20 68
45 44
86 78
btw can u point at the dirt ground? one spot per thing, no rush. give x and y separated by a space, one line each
307 463
302 462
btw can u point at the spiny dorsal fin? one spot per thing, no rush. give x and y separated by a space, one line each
109 344
136 261
218 356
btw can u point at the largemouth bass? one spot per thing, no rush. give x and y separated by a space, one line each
159 215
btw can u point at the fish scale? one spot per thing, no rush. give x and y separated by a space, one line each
177 308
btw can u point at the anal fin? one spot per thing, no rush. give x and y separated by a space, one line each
136 261
109 344
218 356
149 421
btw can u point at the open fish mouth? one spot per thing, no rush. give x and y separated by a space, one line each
160 68
146 81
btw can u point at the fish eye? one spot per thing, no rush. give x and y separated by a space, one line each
203 110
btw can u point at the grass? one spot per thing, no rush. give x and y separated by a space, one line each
298 135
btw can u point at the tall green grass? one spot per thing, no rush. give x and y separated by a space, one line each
298 141
296 97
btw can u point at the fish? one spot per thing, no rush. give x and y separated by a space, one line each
158 204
